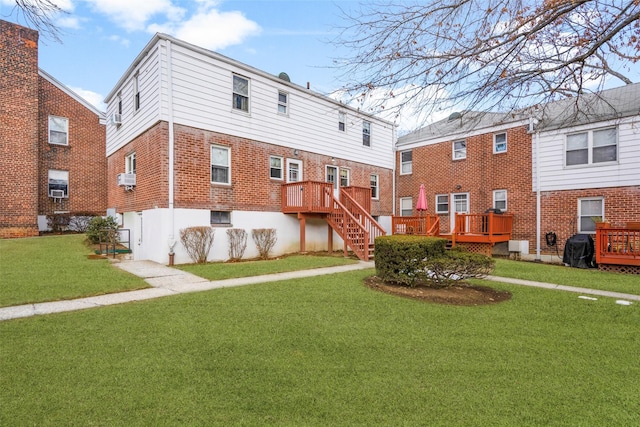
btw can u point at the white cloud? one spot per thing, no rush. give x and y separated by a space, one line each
68 21
133 15
121 40
91 97
211 29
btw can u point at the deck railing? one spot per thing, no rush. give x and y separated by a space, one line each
421 225
360 213
361 195
495 226
619 246
306 196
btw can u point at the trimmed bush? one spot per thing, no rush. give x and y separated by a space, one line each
198 241
265 239
99 227
58 222
237 243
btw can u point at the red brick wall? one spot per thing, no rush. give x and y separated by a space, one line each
251 188
18 131
479 174
84 157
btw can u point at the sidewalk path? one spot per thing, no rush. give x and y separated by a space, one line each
167 281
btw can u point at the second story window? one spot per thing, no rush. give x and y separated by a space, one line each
500 143
459 150
220 165
342 121
283 103
58 130
596 146
136 92
500 200
240 93
366 134
119 103
130 163
406 162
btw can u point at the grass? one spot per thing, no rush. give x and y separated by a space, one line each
561 275
325 351
56 268
221 271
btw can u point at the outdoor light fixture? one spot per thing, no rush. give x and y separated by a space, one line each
295 152
333 160
458 186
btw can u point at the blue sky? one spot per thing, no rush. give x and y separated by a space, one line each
102 37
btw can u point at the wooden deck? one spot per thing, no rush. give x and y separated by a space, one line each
618 246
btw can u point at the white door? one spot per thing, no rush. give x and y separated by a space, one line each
459 204
331 176
294 170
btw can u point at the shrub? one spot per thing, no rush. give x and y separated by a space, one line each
80 222
197 241
58 222
413 260
237 243
99 227
265 239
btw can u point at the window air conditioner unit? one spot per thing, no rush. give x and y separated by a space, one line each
56 194
127 179
116 119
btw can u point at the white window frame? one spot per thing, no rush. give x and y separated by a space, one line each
298 163
60 180
331 179
221 164
440 203
345 177
404 201
459 153
500 196
366 133
61 127
240 95
342 121
273 168
136 91
119 103
497 144
589 215
130 163
374 182
283 105
406 167
591 147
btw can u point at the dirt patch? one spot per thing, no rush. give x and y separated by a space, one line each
460 294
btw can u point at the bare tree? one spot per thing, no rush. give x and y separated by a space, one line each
39 15
485 55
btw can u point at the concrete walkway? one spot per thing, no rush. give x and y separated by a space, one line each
167 281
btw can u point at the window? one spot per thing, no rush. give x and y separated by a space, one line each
220 218
344 177
241 93
342 121
459 150
500 143
596 146
366 134
275 167
461 203
406 206
58 130
406 162
588 209
283 103
442 203
130 163
500 200
58 181
373 179
332 173
119 103
136 93
220 165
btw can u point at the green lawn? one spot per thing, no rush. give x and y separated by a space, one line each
55 268
561 275
221 271
325 351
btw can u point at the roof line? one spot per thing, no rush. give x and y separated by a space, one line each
70 92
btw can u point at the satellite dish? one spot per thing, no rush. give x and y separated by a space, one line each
454 116
284 76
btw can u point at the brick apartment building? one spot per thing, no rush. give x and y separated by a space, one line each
52 142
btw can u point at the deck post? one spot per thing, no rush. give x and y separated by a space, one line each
330 239
303 224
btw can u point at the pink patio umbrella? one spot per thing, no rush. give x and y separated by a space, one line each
421 206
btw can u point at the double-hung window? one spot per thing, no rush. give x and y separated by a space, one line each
58 130
442 203
275 167
283 103
406 206
240 93
500 200
344 177
220 165
58 183
406 162
342 121
130 163
459 150
366 134
589 209
375 186
500 143
597 146
136 92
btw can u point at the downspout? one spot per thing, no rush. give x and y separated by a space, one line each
537 146
171 239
